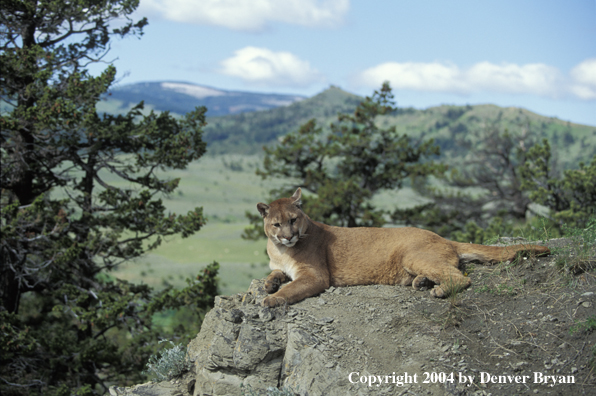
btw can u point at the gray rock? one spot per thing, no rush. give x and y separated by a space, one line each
309 348
179 387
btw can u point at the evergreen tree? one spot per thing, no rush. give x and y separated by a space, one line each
570 198
491 191
482 194
345 168
80 195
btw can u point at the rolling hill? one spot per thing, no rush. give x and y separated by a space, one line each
247 133
244 122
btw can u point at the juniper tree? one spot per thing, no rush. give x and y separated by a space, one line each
80 195
507 172
570 197
482 192
345 167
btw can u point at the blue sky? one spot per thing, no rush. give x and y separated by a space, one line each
539 55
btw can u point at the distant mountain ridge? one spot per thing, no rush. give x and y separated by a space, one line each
244 122
247 133
182 97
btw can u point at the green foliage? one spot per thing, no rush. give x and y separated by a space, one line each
13 339
492 191
170 363
198 295
110 326
482 196
474 234
587 326
579 253
572 198
537 228
345 168
80 194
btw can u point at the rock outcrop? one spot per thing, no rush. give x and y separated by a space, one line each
243 343
380 339
323 345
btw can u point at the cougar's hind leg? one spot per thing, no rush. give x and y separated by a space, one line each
451 281
443 272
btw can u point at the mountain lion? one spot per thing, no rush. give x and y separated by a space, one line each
315 256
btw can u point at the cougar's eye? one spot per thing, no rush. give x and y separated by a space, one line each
292 221
276 225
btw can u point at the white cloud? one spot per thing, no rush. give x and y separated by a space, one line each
532 79
584 78
414 76
265 67
536 78
249 15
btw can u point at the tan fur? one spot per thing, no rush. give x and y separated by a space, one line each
315 256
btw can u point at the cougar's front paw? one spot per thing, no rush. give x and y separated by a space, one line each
273 302
272 285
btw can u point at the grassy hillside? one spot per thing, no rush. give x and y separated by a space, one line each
246 133
178 259
226 187
573 142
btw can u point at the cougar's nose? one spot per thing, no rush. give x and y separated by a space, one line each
287 238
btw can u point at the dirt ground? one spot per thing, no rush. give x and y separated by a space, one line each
519 329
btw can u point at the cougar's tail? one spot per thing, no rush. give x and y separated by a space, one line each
496 254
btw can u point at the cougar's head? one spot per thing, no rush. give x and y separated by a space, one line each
284 220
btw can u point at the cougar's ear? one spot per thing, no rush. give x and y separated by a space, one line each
297 198
263 209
